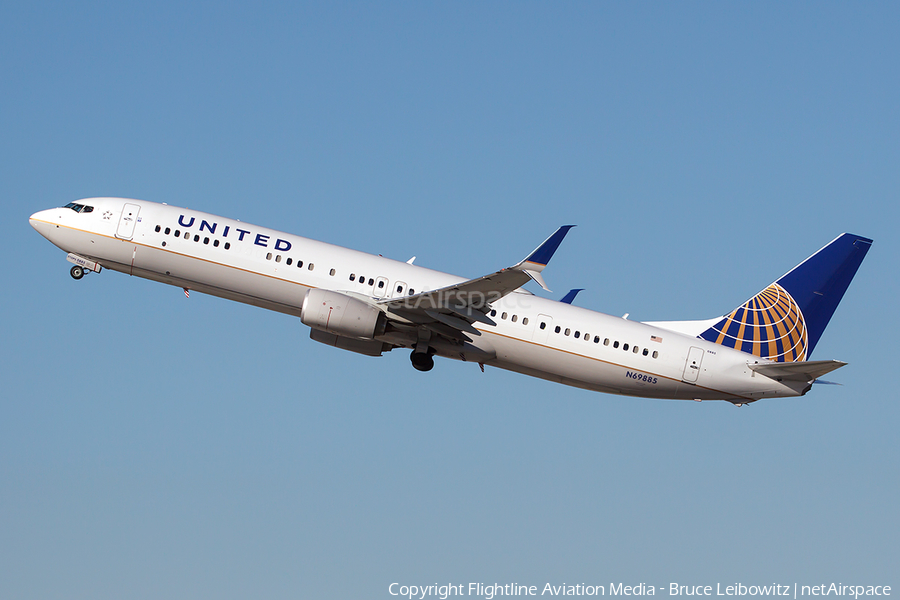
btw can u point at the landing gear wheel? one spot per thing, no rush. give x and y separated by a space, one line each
77 272
422 361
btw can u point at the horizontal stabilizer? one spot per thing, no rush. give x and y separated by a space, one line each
797 371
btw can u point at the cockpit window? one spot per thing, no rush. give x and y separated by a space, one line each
79 207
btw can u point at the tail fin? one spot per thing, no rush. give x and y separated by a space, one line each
785 321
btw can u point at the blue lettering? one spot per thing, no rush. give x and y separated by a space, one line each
241 237
211 228
642 377
282 245
182 223
225 231
261 240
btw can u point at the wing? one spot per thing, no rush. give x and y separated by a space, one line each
451 311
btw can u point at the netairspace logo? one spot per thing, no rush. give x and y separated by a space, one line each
490 591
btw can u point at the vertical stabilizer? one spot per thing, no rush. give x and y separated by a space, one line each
785 321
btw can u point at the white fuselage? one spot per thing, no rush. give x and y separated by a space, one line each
274 270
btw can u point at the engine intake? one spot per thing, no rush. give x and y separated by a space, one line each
341 315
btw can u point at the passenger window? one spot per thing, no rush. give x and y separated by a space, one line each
227 245
269 256
636 350
577 334
616 344
289 261
503 316
412 292
606 342
381 284
311 266
299 264
514 317
158 229
177 233
543 325
493 313
206 241
399 289
568 330
371 281
278 258
352 277
655 354
557 329
596 339
216 243
168 231
331 272
645 352
625 347
524 320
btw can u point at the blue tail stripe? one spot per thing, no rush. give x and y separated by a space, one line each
819 283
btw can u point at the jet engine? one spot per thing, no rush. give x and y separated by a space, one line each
341 315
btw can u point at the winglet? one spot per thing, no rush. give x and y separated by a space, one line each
538 259
568 298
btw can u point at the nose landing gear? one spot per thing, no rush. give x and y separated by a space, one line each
82 266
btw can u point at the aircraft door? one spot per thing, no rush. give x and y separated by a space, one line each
399 289
381 287
692 365
127 221
542 328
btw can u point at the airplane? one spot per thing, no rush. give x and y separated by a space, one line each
371 304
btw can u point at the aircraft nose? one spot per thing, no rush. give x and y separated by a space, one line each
43 221
41 216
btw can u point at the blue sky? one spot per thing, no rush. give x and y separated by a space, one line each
154 446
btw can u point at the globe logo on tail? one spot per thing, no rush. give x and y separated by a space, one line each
769 325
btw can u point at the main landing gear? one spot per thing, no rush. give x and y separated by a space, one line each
76 272
422 358
421 361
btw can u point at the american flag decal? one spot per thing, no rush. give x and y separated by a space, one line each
655 338
187 293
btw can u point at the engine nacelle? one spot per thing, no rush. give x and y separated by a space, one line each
367 347
341 315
